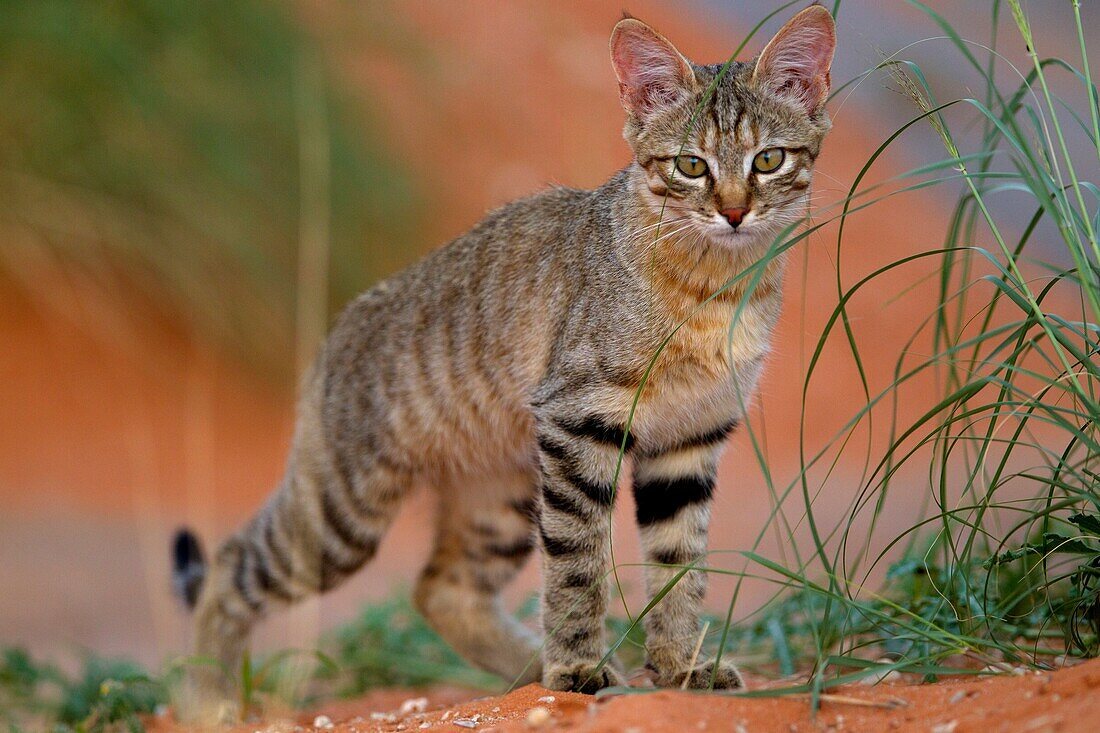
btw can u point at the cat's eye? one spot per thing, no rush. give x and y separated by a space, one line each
691 166
768 160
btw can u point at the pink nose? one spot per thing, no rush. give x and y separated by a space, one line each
734 216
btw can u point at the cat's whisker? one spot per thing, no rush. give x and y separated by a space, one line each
665 235
658 225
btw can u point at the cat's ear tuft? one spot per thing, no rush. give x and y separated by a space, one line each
795 63
652 74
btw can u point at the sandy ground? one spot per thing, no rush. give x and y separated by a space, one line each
1034 702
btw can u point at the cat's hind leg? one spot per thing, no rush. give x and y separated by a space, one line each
485 534
323 523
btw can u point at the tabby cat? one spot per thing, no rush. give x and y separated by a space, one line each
502 369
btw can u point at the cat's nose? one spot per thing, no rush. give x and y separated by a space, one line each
734 216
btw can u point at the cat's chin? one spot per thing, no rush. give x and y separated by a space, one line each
742 237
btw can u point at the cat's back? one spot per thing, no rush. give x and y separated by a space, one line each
448 351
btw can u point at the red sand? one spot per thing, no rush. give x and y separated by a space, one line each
1062 701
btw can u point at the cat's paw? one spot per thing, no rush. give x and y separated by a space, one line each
704 677
206 698
583 678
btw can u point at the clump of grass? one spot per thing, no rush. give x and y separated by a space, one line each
106 695
388 645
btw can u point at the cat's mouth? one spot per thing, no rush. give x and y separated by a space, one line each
719 229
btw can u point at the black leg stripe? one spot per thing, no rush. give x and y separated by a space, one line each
562 502
552 449
333 570
343 525
527 507
240 584
484 529
579 580
345 471
515 551
575 636
670 557
265 580
659 500
555 547
282 562
601 494
711 437
597 430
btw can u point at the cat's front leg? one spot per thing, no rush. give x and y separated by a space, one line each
672 491
578 455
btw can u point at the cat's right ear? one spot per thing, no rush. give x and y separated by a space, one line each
652 74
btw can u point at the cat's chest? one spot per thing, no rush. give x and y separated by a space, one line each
706 373
713 346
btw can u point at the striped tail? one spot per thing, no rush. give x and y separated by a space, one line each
188 567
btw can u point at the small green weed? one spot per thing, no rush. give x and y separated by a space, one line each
106 695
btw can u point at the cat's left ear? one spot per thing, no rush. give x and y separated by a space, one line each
652 74
795 63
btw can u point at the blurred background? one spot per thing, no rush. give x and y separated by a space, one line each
189 190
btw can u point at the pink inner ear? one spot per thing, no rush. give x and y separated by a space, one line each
796 62
652 74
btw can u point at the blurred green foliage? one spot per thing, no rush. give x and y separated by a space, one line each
154 146
106 695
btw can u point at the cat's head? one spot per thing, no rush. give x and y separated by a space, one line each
737 166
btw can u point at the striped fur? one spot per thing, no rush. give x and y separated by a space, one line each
502 369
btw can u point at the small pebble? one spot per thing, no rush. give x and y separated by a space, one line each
882 675
495 710
948 727
538 717
425 724
465 723
547 698
413 705
958 697
322 721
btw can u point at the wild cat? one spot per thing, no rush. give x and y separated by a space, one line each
502 369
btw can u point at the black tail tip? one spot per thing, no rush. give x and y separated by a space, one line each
188 566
